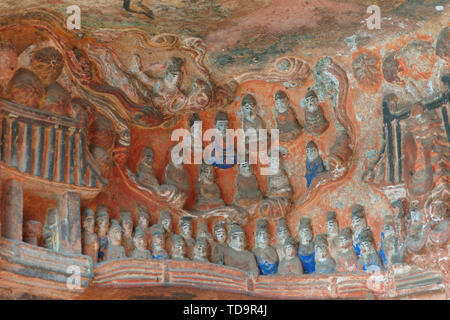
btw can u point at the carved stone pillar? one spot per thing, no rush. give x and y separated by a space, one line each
69 211
12 210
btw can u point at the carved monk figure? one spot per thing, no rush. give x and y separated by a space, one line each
126 222
369 260
324 263
236 255
346 259
390 252
186 231
51 232
89 237
358 225
177 176
290 263
208 192
266 255
140 245
332 234
282 235
145 173
248 193
201 250
203 232
178 248
228 158
287 124
158 242
315 123
143 221
250 118
115 249
220 245
306 245
165 220
102 220
314 163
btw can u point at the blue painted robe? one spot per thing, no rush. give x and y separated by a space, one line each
308 262
160 255
227 153
382 254
356 245
103 246
266 267
313 169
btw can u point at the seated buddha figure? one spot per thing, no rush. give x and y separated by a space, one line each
282 235
315 123
126 222
102 221
208 192
346 259
89 238
115 249
178 250
290 264
324 263
140 250
177 176
250 119
314 163
369 260
332 234
186 232
248 194
306 245
158 242
143 221
266 255
287 124
220 245
223 155
236 254
201 250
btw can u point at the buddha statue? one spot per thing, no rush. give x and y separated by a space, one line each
290 263
158 242
314 163
220 245
287 124
89 238
178 251
236 255
282 235
186 232
145 173
332 234
140 250
369 260
324 263
358 224
115 249
143 221
208 192
177 176
390 252
266 255
248 194
315 123
228 158
250 119
126 222
102 221
306 245
346 259
165 220
51 232
201 250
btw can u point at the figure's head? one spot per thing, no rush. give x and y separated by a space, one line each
140 238
245 169
357 218
221 122
281 101
201 248
185 225
52 216
248 105
126 221
311 101
237 238
202 230
172 74
345 238
143 218
282 230
165 220
332 224
157 234
206 173
261 234
312 152
290 247
178 245
305 234
88 220
220 232
366 242
115 233
321 246
102 218
148 156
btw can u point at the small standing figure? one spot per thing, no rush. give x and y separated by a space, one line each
208 192
389 246
140 245
126 222
51 231
346 259
287 124
315 123
314 163
306 245
178 248
201 250
165 220
102 220
186 232
144 221
228 158
282 235
177 176
89 237
324 263
248 194
115 249
236 255
266 255
220 246
369 260
358 222
332 234
290 264
250 120
158 242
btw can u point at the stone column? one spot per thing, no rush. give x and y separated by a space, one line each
69 212
12 210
